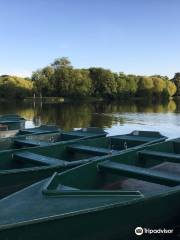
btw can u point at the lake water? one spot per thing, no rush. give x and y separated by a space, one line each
116 118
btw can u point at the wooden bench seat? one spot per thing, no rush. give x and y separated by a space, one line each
164 156
28 143
134 138
91 150
149 175
29 157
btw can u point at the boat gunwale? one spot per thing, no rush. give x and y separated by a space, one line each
99 158
91 210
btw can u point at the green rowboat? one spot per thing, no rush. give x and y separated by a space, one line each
46 135
39 130
104 199
22 167
43 129
10 122
8 125
13 115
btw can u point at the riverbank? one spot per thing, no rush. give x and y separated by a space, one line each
62 99
97 99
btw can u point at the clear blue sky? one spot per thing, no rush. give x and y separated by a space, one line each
133 36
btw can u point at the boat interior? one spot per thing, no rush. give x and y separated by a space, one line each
46 138
65 154
149 171
114 144
55 155
33 140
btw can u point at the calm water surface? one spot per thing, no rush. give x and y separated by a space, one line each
116 118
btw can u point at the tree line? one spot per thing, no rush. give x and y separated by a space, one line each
12 87
61 79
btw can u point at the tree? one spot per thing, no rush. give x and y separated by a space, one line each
61 62
48 72
40 82
159 76
62 81
103 82
80 84
171 88
176 81
15 87
131 85
145 86
43 81
121 84
159 85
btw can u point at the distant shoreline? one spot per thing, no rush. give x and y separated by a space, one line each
95 99
87 99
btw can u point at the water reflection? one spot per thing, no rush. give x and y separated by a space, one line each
116 117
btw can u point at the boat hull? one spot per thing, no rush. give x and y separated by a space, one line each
12 181
116 222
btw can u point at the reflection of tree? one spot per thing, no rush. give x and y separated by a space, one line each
158 107
66 115
22 108
99 114
115 107
99 120
77 115
171 106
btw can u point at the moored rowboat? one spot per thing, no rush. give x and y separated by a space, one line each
10 122
39 130
103 199
46 135
20 168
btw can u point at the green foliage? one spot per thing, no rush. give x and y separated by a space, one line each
71 82
103 82
171 88
145 83
61 62
60 79
159 76
80 83
43 81
145 86
159 85
176 81
15 87
121 84
131 86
